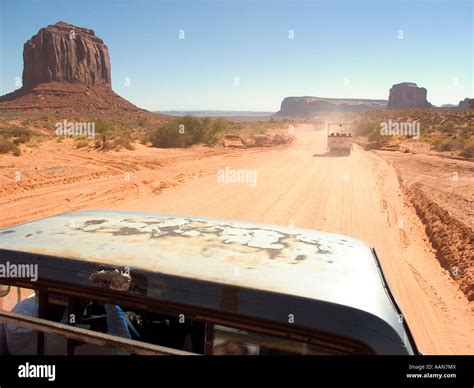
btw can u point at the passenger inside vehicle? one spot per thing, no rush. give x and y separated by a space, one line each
173 332
23 341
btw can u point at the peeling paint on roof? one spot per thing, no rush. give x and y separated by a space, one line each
294 261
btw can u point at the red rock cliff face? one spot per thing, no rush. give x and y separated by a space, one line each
65 53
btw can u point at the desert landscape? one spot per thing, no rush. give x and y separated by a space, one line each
372 195
412 198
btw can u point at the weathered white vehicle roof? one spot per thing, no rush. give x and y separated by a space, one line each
318 266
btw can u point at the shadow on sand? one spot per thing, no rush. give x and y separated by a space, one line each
329 154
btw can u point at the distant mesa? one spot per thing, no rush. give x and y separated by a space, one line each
467 103
66 69
306 106
407 95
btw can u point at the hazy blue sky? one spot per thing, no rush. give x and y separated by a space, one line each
340 48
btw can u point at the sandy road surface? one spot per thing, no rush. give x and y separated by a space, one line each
357 195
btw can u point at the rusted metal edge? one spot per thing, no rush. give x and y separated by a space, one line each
88 336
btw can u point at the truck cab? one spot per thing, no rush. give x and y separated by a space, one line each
340 140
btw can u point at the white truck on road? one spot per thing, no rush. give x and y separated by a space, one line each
339 138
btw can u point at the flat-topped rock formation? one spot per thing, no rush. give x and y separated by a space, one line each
407 95
306 106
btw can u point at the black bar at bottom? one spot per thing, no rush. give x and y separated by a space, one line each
382 371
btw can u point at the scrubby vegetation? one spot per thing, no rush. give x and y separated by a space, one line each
121 133
185 131
7 146
19 135
110 135
444 130
189 130
81 142
259 126
366 127
468 150
11 137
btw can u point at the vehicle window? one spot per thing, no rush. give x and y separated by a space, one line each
231 341
175 331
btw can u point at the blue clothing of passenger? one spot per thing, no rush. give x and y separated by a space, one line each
23 341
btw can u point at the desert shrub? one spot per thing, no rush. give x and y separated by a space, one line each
110 135
217 128
106 142
81 142
259 129
185 131
366 127
35 141
261 126
376 136
447 144
7 146
23 139
105 126
101 143
122 141
144 137
142 123
468 151
464 134
21 135
165 135
447 127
